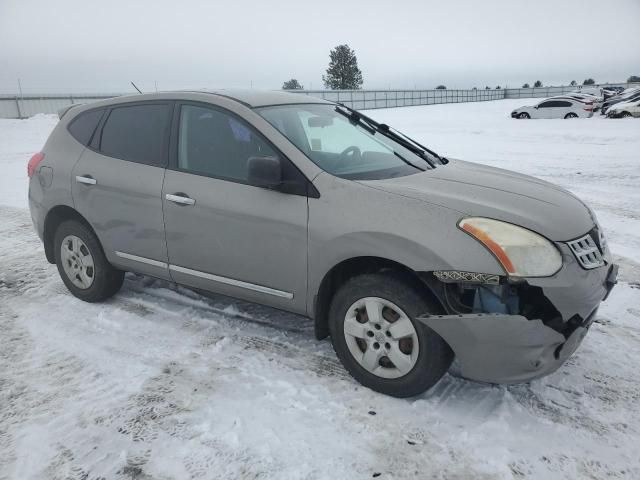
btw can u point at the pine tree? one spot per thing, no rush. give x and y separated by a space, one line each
292 84
526 85
537 84
343 72
589 81
573 83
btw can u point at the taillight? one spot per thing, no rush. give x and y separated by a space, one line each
588 109
33 163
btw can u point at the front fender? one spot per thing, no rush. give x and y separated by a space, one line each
413 233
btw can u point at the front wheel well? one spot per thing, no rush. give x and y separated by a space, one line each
350 268
54 218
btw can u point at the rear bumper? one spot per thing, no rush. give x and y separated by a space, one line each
502 348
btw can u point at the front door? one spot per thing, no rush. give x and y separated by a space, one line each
117 185
224 234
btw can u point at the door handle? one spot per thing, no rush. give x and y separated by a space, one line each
180 199
86 179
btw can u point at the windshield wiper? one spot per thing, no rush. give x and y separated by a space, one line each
393 134
354 117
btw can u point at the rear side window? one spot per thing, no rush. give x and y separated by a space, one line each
83 126
554 103
137 133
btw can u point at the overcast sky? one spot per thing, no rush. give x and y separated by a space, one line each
89 45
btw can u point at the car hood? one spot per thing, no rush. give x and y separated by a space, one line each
479 190
623 105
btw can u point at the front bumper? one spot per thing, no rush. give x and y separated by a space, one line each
503 348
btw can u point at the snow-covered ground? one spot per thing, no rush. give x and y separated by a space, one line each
162 383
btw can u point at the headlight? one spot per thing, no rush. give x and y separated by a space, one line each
521 252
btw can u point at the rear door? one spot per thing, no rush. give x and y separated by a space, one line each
562 107
117 185
544 110
223 233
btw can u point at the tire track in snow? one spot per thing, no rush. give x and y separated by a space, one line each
148 420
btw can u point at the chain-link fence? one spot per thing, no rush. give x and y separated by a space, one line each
23 106
370 99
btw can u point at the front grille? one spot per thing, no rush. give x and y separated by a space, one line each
587 251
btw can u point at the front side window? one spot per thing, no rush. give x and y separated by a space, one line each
137 133
214 143
339 146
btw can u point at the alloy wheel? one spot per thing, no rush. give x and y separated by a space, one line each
77 262
381 337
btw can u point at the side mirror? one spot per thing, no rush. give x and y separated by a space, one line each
264 172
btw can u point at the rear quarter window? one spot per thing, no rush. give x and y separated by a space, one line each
82 127
137 133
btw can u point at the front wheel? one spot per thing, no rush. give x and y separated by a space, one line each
570 115
523 115
377 339
82 265
626 115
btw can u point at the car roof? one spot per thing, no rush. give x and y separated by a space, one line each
564 97
262 98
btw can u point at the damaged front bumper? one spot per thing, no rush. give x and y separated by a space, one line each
513 348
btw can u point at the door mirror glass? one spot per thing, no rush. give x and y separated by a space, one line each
265 171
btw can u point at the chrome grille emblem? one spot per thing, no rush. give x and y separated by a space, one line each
587 252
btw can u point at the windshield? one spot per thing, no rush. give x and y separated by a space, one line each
342 147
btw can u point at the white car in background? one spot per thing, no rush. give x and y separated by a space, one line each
595 91
556 107
625 109
586 97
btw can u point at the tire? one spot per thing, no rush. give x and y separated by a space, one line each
423 357
82 265
523 116
570 115
626 115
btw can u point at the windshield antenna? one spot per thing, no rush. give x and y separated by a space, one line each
134 86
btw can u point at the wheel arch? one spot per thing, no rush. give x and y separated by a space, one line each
351 267
54 218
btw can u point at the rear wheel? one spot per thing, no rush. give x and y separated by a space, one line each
82 265
570 115
523 115
377 339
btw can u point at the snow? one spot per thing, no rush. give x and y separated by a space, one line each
161 382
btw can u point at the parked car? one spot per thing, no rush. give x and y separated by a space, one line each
624 97
611 91
586 98
404 257
558 107
625 109
596 91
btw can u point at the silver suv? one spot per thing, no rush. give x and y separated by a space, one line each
405 258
